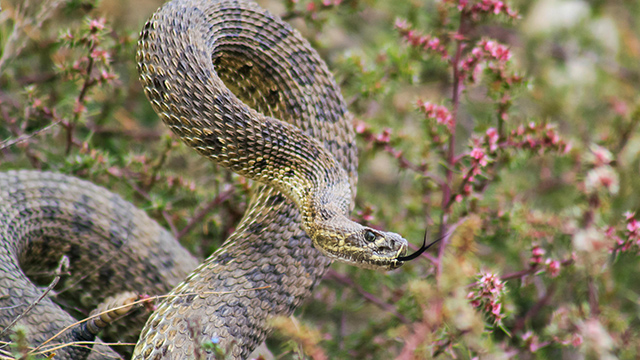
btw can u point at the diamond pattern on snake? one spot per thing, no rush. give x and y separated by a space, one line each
246 91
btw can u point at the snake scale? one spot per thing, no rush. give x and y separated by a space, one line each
245 90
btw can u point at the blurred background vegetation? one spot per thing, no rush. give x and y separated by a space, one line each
536 201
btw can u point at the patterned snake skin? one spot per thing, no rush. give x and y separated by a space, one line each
246 91
112 248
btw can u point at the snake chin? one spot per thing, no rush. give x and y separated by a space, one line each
379 263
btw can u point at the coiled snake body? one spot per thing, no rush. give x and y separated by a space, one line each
245 90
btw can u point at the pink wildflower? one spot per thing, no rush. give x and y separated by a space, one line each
553 267
100 54
480 156
440 113
97 24
536 255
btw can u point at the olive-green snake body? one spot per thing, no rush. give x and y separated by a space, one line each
247 91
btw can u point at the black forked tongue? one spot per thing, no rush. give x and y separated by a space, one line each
422 249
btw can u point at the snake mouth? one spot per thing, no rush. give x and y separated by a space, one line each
368 260
389 262
384 262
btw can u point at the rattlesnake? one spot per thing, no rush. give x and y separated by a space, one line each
248 92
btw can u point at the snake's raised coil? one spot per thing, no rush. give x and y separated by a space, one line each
247 91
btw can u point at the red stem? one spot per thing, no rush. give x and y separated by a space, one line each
451 160
345 280
88 82
219 199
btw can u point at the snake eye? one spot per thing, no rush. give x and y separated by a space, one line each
369 236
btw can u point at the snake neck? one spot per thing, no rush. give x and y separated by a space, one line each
328 205
325 218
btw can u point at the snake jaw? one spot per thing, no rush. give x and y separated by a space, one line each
363 247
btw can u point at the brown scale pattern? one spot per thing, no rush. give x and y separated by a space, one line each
112 248
248 92
202 63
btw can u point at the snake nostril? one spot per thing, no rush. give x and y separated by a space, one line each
389 246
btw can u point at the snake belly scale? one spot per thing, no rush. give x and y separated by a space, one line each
248 92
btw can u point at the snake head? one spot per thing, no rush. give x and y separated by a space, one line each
363 247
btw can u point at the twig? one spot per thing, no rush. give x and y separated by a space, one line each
62 269
15 43
415 339
22 138
134 134
156 168
408 164
219 199
458 78
164 214
628 130
593 297
88 83
192 324
145 300
331 274
521 273
535 308
84 344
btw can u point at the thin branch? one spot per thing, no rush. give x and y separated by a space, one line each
532 270
628 130
192 324
219 199
164 214
25 137
458 86
146 300
141 135
88 83
520 323
84 344
62 269
594 306
15 41
331 274
156 168
405 163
